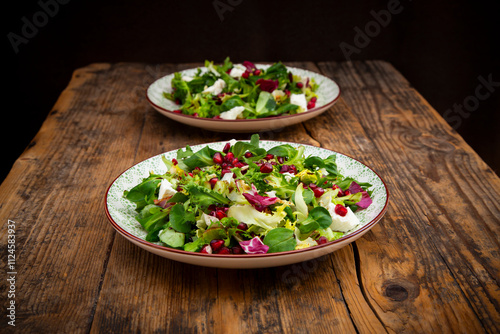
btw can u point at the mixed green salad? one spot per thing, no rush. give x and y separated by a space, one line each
245 199
242 91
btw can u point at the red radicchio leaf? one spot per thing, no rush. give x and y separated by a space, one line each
267 85
249 65
260 202
254 246
365 198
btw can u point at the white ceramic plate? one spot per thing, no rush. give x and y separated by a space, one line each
328 93
121 213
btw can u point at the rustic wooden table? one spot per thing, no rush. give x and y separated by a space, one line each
431 265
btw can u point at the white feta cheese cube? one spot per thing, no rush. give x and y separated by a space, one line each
216 88
237 71
232 113
342 224
166 189
299 100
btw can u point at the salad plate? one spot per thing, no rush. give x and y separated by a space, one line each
122 213
327 93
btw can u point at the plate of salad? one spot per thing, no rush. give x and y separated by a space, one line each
244 97
246 204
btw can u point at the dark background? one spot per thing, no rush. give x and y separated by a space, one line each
441 47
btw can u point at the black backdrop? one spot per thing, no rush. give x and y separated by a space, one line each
444 48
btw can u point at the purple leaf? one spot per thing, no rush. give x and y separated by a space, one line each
249 65
254 246
260 203
365 200
267 85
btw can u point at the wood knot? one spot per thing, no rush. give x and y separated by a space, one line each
400 290
396 292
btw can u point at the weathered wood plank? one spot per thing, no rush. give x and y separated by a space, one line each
436 254
54 193
431 265
246 300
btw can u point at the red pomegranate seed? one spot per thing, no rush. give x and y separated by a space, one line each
174 161
237 250
311 105
257 72
178 111
224 165
229 157
213 181
287 92
322 240
266 168
314 99
226 148
217 158
340 210
190 174
245 74
290 76
347 193
216 245
288 169
242 226
318 191
239 164
300 84
206 249
312 186
280 160
269 156
248 154
224 172
224 250
340 193
220 215
234 161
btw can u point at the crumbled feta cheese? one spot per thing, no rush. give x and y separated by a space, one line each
232 142
342 224
299 100
237 71
166 189
232 113
216 88
288 176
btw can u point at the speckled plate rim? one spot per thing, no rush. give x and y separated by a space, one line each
314 110
353 235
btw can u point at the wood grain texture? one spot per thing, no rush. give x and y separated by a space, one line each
430 265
